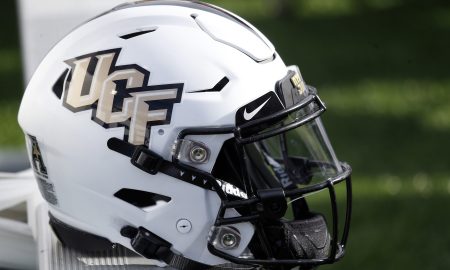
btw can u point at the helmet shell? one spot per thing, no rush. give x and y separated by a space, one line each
190 44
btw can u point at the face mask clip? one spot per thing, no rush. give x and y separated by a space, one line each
272 203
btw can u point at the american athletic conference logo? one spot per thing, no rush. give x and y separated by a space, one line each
119 95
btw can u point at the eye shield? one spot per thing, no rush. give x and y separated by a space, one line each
280 156
290 107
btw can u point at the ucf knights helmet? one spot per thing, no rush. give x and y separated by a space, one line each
174 129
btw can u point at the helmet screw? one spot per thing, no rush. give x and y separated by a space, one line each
229 240
198 154
184 226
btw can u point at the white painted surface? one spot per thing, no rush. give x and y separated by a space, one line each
43 23
86 173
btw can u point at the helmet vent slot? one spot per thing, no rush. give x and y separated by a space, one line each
231 33
217 88
141 199
138 32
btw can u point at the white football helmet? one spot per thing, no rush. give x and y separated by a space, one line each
174 129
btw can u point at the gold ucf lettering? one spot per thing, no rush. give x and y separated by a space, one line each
119 95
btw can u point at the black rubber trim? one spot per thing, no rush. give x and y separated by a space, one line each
77 239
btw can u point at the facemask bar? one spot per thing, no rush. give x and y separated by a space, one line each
337 249
303 108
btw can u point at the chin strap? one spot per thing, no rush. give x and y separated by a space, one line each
151 246
152 163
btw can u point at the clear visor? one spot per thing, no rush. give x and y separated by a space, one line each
285 156
302 162
298 157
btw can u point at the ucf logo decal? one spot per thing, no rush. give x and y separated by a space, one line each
119 95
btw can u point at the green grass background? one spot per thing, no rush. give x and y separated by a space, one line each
383 69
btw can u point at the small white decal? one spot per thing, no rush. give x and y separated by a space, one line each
249 115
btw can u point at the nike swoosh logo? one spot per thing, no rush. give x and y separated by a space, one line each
250 115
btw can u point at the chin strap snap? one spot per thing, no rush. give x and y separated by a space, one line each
151 246
150 162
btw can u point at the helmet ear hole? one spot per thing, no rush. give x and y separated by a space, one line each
141 199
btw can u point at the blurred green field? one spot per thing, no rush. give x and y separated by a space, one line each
11 86
383 69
